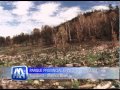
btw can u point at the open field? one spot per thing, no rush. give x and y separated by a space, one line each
103 54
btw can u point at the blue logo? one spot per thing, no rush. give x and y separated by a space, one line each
19 73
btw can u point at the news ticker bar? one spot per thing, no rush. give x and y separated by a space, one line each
64 72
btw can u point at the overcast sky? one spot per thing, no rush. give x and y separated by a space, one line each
24 16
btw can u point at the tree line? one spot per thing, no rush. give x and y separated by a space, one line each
94 25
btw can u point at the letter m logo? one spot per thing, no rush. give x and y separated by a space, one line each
19 73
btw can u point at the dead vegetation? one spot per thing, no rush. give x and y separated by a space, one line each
90 39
